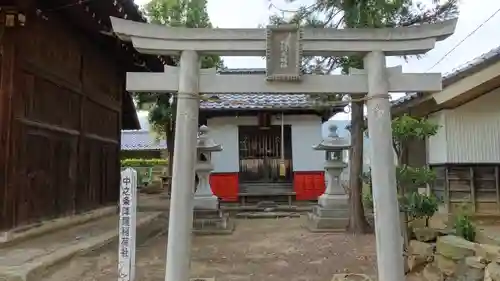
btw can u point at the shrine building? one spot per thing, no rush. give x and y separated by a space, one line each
255 163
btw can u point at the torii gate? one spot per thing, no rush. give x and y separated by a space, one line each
284 47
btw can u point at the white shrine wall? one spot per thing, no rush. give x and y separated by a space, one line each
467 134
306 132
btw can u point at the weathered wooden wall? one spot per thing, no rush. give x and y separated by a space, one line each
63 153
474 185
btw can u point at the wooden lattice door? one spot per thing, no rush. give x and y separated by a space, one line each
260 154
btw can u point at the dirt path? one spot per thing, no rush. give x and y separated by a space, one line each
278 250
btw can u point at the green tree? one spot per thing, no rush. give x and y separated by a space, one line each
407 129
162 107
361 14
413 205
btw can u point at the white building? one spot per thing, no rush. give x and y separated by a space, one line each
466 150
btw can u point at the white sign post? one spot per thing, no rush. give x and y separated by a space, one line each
127 225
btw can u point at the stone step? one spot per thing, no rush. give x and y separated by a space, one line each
267 215
212 223
33 258
234 209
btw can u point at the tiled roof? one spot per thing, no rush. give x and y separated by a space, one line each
141 140
255 101
406 98
461 72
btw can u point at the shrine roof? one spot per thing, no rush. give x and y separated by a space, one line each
255 101
141 140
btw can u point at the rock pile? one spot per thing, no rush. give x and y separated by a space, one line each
452 258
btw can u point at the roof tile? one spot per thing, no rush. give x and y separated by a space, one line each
140 140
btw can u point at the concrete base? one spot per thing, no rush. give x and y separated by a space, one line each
21 234
334 201
147 227
212 222
323 219
210 202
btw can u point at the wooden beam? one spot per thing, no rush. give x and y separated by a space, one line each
497 187
472 190
49 127
467 84
8 60
447 197
256 83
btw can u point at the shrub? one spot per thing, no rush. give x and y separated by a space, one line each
462 222
419 206
143 162
464 227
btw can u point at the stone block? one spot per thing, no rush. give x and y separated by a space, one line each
432 273
206 202
473 269
454 247
419 254
487 251
492 272
420 249
329 201
413 262
267 205
211 222
326 224
330 212
425 234
417 223
439 221
446 265
267 215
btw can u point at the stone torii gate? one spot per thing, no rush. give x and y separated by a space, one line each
284 47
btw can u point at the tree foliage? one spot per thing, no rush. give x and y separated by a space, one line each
162 107
360 14
412 204
183 13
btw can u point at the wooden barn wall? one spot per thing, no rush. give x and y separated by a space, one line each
475 186
7 65
65 128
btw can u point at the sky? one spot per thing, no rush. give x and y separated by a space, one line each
473 13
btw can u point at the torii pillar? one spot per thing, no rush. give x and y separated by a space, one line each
284 47
183 173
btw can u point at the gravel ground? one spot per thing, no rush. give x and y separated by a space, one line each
260 249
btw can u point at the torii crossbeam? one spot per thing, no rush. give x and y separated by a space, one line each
210 82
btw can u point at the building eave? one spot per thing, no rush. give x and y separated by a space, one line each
461 85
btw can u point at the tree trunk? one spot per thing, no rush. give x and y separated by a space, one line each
403 216
170 146
357 220
170 139
171 135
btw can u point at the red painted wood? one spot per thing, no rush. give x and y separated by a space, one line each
308 185
225 186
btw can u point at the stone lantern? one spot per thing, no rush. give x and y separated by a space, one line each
204 198
332 211
208 218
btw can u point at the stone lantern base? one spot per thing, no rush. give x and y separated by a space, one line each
330 215
211 222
